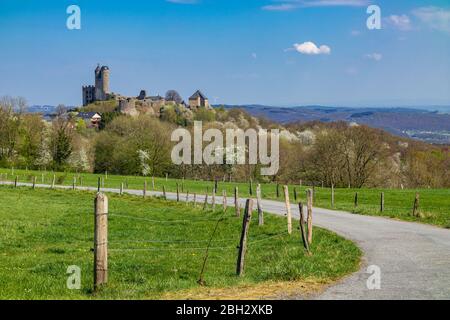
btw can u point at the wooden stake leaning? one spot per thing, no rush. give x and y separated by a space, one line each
259 205
288 209
309 217
243 242
416 206
302 228
382 202
164 193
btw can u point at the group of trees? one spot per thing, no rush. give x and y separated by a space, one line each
333 154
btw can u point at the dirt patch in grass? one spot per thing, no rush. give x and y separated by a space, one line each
300 289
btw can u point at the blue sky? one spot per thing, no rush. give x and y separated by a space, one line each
236 51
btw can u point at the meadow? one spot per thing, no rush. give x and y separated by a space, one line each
156 248
434 204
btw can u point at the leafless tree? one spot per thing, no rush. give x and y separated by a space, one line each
173 95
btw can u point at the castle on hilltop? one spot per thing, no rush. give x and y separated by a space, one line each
100 91
134 105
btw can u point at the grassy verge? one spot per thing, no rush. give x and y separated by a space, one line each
156 248
434 203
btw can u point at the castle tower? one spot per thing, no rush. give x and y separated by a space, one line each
101 83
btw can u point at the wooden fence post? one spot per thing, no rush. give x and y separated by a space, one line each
295 194
216 185
74 182
236 202
302 227
164 193
310 204
278 190
34 182
195 200
382 202
214 200
53 181
187 196
356 199
99 184
16 180
144 191
206 202
259 205
121 189
288 209
101 241
244 233
416 206
250 187
178 192
332 195
224 200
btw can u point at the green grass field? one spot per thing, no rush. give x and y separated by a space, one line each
434 203
155 247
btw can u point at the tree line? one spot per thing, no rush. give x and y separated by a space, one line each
338 154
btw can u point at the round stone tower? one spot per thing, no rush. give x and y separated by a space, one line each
101 83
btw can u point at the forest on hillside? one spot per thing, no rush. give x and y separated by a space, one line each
336 153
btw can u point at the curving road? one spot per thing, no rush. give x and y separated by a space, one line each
413 258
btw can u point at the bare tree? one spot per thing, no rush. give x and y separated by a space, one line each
174 96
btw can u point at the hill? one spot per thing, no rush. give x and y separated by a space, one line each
428 126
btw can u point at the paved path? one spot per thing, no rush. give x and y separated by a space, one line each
414 259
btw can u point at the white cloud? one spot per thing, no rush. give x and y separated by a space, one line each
436 18
400 22
280 7
374 56
310 48
335 3
289 5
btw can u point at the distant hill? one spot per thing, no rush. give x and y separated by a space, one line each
42 109
429 126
